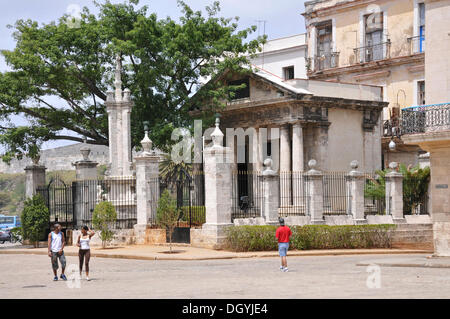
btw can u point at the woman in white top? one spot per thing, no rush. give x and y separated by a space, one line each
85 250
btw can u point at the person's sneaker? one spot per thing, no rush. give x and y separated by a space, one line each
87 278
63 277
281 268
286 269
55 278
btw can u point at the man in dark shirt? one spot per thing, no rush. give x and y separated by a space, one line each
282 234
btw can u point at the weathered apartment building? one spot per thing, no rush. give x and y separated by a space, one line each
375 42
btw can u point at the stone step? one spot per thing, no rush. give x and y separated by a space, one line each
415 239
413 233
413 227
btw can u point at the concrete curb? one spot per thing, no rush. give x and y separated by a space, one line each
411 265
246 255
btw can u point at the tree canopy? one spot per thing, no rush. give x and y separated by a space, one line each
61 71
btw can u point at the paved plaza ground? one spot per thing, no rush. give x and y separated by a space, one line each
30 276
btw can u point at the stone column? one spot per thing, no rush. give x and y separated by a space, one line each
35 177
297 164
355 190
285 165
147 188
118 106
271 196
218 200
394 194
297 148
314 178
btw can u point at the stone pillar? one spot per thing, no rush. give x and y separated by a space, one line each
218 200
147 188
35 177
85 169
314 178
355 190
271 196
394 194
118 107
285 165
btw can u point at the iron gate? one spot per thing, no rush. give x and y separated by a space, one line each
189 191
59 199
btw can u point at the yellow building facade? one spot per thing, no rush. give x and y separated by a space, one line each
372 42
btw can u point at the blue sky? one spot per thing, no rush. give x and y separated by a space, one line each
283 17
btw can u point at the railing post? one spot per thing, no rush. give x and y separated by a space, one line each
147 188
271 193
394 194
355 184
314 178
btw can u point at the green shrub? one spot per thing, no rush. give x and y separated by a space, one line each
35 219
167 214
103 219
262 238
198 214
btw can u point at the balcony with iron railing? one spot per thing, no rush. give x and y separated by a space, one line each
416 44
373 52
325 61
425 119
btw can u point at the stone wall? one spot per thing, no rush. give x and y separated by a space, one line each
60 158
127 237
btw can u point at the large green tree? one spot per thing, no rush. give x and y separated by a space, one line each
60 72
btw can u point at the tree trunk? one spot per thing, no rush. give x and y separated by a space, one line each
170 240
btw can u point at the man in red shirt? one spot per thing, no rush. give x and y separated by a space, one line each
282 234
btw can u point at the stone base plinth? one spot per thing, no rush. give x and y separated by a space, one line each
418 219
360 222
144 235
121 237
379 219
297 220
249 221
211 236
338 220
441 239
399 220
317 222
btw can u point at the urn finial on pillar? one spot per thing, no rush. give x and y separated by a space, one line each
268 164
35 159
146 141
217 135
85 150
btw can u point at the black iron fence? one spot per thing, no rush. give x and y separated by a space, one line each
335 193
247 194
119 191
293 194
373 205
427 118
72 204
